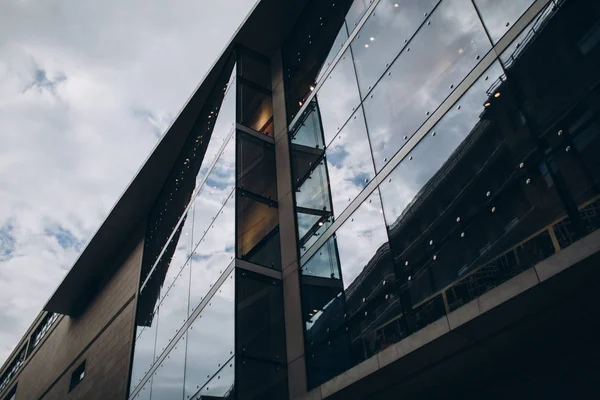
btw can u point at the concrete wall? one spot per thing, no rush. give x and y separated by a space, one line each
102 335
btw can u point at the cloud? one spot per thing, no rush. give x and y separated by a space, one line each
86 90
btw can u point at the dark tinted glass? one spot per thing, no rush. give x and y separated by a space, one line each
260 321
256 166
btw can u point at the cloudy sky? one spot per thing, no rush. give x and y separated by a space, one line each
86 90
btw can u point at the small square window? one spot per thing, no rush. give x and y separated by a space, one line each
77 376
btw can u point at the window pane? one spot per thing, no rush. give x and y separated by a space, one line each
260 380
224 124
255 109
260 322
211 338
144 393
167 382
173 310
349 162
438 58
143 355
313 191
256 166
339 42
258 232
384 34
357 10
500 15
214 253
308 130
217 189
221 385
338 97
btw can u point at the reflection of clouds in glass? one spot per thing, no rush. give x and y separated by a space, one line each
144 352
314 192
167 383
402 186
338 96
349 162
214 253
389 27
324 263
173 309
211 338
359 238
225 121
356 11
335 49
500 15
439 57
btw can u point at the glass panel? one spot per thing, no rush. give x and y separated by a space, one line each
339 42
438 58
214 253
324 263
254 69
258 232
221 386
225 123
256 166
260 322
173 310
308 130
338 97
384 34
500 15
167 382
143 355
260 380
360 238
211 338
356 11
312 190
144 393
255 109
349 163
181 253
217 189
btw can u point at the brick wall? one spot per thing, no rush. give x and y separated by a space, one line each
101 335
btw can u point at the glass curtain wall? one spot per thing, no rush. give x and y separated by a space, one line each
202 331
441 154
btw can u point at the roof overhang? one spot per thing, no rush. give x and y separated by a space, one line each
264 31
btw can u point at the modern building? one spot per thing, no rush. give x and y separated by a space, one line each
375 199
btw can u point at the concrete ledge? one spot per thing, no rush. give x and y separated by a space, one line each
425 335
464 314
347 378
569 256
507 290
390 354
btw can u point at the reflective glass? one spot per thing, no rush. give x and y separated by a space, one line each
224 118
325 262
214 253
360 238
384 34
260 320
143 355
217 189
255 109
261 380
356 11
144 393
349 162
258 232
173 309
312 191
338 96
308 130
500 15
167 381
211 338
222 384
339 42
181 254
256 166
434 62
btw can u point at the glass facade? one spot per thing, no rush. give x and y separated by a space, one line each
439 151
197 310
